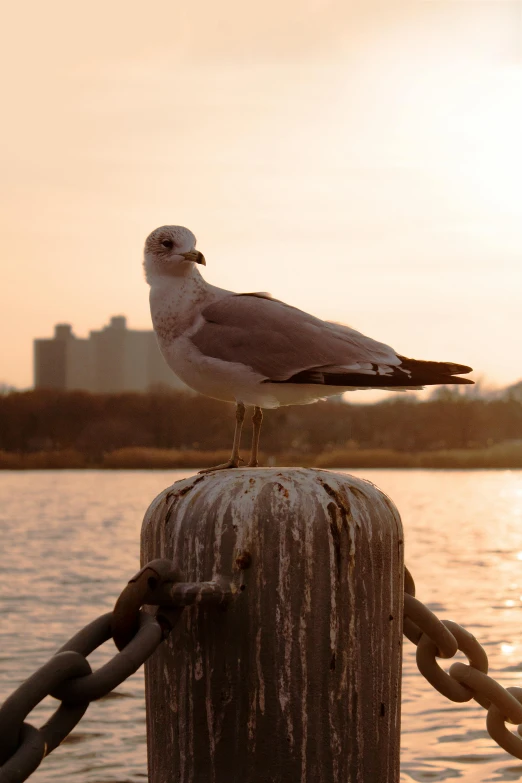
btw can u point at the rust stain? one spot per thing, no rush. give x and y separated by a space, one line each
173 496
244 560
178 493
358 493
336 537
341 503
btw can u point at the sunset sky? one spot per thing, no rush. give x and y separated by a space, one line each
361 160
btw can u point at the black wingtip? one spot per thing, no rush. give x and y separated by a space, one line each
437 369
413 373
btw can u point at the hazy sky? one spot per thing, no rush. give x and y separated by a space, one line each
362 160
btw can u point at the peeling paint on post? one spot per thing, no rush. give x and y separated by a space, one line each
298 680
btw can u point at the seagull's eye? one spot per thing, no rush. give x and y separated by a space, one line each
168 243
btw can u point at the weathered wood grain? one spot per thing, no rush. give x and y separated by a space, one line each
298 680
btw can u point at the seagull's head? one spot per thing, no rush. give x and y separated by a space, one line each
170 250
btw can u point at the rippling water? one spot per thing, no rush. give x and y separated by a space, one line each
70 541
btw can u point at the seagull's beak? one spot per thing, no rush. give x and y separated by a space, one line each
196 256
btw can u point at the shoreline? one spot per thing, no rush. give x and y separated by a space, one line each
507 456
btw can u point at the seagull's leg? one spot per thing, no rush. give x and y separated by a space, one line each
240 418
257 419
235 459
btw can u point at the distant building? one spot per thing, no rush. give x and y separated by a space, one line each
112 359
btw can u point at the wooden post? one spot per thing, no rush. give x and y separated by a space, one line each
298 680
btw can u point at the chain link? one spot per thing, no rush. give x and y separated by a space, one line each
463 682
68 676
134 596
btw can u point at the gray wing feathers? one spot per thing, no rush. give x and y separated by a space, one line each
277 340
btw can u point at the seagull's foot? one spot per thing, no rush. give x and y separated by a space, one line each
231 463
253 463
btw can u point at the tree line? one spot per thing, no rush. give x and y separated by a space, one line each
94 424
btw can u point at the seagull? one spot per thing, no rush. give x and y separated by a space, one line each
255 350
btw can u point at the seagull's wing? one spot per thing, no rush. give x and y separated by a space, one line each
280 342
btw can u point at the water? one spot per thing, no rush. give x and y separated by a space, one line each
70 541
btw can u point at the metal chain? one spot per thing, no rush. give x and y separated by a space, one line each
441 639
68 676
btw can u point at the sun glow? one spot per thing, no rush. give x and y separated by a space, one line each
360 160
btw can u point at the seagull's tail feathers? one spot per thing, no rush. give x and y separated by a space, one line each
410 373
432 373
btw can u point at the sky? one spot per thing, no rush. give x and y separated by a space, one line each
356 158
